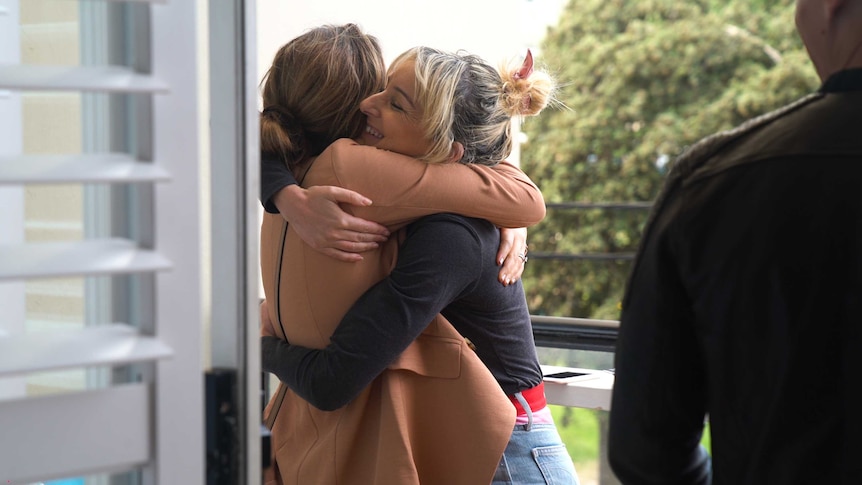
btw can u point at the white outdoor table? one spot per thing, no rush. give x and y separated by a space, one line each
592 391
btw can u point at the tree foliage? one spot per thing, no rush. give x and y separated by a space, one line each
641 80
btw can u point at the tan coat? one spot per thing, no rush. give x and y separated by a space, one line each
436 415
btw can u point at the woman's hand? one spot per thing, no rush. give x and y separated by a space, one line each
512 255
321 223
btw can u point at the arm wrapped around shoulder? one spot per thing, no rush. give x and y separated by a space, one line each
403 189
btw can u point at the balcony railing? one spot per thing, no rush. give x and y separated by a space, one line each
584 334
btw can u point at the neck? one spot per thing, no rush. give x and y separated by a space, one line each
848 25
841 58
855 58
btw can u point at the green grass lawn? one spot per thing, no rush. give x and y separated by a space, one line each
579 429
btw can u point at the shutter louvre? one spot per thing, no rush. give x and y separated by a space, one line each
115 421
150 111
85 168
89 257
116 344
108 79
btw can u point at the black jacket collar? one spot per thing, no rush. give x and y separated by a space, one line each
843 81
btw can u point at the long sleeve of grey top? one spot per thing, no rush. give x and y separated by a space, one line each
274 176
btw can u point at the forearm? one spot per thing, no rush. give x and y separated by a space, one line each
371 335
503 195
316 375
404 189
274 176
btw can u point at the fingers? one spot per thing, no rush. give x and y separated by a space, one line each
319 219
348 241
347 196
346 256
355 247
507 240
512 268
512 255
348 245
366 230
359 230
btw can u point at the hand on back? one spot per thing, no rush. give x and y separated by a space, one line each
317 217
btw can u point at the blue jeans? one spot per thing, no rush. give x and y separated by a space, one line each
536 455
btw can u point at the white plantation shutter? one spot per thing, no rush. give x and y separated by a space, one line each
146 210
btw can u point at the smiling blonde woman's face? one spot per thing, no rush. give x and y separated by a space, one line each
394 115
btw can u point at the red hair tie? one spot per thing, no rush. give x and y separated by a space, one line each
526 69
523 73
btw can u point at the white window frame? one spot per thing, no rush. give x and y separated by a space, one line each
12 298
155 425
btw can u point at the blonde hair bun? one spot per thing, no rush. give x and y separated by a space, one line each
529 95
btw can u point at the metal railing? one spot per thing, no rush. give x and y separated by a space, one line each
575 333
581 333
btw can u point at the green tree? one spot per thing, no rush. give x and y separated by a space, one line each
642 80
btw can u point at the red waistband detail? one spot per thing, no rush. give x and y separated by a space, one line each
535 398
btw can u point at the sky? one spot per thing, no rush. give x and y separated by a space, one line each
496 30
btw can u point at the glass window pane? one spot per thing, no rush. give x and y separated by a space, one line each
51 124
64 32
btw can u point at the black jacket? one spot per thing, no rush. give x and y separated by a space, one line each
743 307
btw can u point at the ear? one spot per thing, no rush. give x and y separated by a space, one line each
456 153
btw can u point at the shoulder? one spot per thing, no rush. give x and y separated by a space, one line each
346 151
455 246
338 149
453 230
359 167
341 146
754 140
352 163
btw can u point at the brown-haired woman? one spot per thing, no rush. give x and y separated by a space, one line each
371 440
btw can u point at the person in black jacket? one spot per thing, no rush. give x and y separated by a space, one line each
743 306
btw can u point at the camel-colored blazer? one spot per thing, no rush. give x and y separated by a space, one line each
436 416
